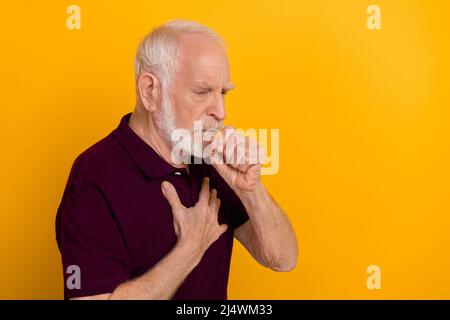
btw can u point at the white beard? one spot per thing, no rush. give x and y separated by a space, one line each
166 123
165 120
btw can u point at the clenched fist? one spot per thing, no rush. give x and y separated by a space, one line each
237 159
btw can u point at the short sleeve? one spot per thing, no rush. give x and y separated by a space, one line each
90 242
238 213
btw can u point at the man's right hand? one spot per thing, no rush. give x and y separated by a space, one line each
196 227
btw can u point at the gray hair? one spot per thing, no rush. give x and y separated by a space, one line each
158 51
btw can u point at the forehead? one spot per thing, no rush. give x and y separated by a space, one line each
202 59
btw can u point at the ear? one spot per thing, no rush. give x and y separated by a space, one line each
149 91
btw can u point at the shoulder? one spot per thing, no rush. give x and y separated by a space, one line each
99 158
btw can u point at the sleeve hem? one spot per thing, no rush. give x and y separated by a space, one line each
240 223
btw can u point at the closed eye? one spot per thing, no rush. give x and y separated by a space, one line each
203 91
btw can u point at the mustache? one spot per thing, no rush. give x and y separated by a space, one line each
211 123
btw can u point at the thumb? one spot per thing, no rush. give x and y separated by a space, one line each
222 229
170 193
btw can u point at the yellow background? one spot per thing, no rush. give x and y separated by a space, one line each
364 132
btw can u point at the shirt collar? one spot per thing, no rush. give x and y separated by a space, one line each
149 162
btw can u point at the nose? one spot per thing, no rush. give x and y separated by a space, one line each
217 108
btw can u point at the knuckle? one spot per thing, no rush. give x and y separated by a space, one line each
203 206
178 210
209 218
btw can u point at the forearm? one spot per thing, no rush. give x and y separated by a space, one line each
272 230
161 281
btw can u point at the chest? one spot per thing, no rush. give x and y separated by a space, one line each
145 220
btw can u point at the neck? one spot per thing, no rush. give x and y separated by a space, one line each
143 125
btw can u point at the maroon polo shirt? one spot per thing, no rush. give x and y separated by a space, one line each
115 224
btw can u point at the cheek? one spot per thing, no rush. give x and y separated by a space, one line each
186 113
195 107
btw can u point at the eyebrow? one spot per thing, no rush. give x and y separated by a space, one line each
227 86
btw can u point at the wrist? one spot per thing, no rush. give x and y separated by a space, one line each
257 197
189 251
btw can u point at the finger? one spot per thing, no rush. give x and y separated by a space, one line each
204 192
223 145
218 202
212 197
215 206
239 159
230 151
227 130
210 138
237 151
216 151
222 228
254 171
243 153
254 151
249 155
170 193
227 135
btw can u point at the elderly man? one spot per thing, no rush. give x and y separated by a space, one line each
135 224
